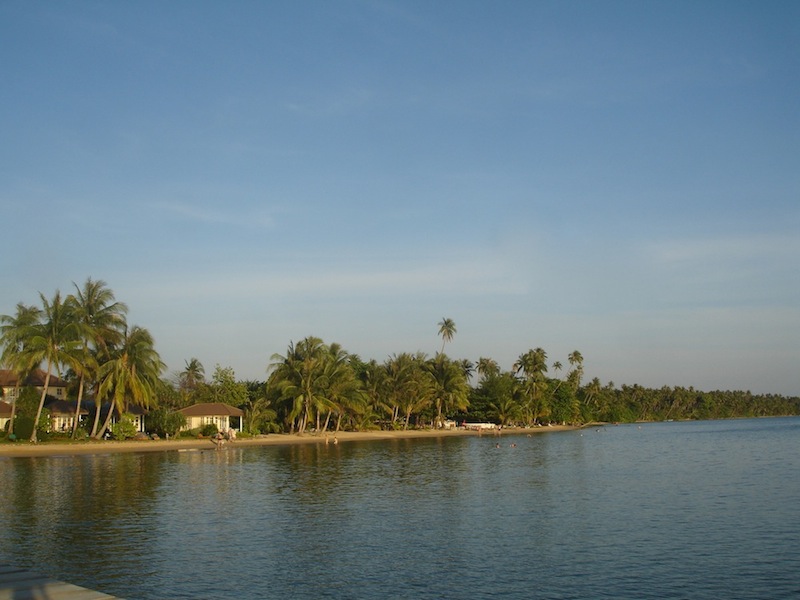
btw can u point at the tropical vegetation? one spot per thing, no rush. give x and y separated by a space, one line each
318 386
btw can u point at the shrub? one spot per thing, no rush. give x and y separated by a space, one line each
124 429
209 429
165 423
23 426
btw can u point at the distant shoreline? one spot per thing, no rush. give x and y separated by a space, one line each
24 449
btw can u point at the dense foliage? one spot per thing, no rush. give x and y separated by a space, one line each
318 386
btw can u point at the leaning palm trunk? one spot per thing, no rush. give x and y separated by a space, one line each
96 419
107 422
97 405
408 417
327 421
78 410
34 437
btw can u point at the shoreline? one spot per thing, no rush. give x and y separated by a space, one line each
28 450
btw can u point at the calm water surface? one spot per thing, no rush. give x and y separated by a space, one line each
667 510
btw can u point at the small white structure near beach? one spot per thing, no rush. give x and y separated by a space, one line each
217 413
480 426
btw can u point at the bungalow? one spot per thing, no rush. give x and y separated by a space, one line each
5 415
62 414
217 413
56 387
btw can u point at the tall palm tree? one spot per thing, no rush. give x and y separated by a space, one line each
409 385
447 329
14 332
533 365
450 388
488 367
102 319
131 375
346 396
192 375
54 340
301 379
576 361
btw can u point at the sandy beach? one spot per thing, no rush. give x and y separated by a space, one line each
26 449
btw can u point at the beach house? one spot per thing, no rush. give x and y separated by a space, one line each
224 416
9 382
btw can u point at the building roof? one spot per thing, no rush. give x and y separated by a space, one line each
63 407
36 378
211 409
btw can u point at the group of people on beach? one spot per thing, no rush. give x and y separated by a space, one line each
219 438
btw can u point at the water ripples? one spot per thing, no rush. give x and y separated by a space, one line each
683 510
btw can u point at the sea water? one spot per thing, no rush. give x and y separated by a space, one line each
661 510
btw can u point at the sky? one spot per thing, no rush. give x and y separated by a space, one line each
618 178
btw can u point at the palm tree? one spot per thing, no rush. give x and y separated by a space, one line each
191 377
131 375
345 395
408 385
450 388
300 378
447 329
505 409
54 340
488 367
533 365
14 332
576 360
103 322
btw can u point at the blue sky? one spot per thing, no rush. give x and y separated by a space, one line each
620 178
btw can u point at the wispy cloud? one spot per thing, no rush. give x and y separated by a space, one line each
735 248
234 216
335 103
408 280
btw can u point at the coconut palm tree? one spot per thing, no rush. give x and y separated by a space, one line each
488 367
408 385
54 341
131 375
14 331
450 389
576 361
533 365
102 319
447 329
345 394
301 379
192 375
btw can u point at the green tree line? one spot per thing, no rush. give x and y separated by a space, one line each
314 385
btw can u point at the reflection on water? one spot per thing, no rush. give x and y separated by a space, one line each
700 510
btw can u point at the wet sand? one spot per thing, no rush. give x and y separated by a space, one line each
26 449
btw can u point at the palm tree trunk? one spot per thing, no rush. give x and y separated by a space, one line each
327 420
96 419
97 409
78 409
107 422
34 438
13 410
